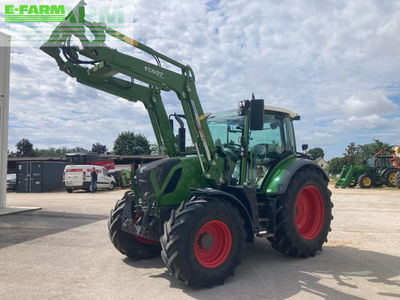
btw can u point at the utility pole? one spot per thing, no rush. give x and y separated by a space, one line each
4 101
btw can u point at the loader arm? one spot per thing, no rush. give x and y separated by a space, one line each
105 63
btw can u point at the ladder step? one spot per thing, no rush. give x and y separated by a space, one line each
263 219
265 234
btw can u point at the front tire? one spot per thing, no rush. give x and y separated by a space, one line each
303 215
203 241
365 181
69 190
128 244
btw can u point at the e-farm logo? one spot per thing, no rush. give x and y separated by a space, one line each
34 13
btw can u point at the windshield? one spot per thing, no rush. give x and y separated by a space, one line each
226 127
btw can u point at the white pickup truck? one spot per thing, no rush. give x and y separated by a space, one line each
77 177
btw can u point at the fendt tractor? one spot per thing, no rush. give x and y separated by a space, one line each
245 179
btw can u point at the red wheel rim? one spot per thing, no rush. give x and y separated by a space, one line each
213 244
143 240
309 212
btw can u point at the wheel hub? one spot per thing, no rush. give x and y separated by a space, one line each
206 241
213 244
366 181
392 178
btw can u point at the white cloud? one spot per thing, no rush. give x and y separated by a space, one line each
325 60
359 104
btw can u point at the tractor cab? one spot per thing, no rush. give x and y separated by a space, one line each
261 147
380 162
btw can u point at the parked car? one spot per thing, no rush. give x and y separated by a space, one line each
77 177
11 181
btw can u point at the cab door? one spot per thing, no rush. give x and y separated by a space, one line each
268 145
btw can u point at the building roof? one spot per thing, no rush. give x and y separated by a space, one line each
317 160
36 158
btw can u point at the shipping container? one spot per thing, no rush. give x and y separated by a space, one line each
39 176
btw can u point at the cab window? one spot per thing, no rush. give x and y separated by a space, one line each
265 146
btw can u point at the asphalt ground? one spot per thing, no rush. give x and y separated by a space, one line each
63 251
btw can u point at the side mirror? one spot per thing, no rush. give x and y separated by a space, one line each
304 147
256 114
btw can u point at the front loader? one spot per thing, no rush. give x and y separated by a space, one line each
245 181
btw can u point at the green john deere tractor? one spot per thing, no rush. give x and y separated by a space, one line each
377 170
245 180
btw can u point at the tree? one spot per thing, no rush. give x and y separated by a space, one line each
336 165
156 150
316 152
77 150
99 148
355 155
24 148
56 152
128 143
369 150
351 155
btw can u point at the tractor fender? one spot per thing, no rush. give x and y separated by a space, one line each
244 212
382 173
292 169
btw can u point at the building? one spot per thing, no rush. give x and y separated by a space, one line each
322 163
40 174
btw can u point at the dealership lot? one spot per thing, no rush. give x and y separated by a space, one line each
63 251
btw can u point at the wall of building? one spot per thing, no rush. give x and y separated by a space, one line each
4 98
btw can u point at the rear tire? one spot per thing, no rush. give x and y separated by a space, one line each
303 215
389 177
128 244
112 186
69 190
203 241
398 180
365 181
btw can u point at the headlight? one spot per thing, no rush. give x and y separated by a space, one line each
242 104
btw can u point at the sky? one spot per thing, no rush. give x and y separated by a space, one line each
335 63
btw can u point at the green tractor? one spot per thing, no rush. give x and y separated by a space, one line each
245 179
376 171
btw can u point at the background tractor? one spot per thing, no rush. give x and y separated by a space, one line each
377 170
246 179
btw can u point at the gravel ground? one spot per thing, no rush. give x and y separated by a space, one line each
63 251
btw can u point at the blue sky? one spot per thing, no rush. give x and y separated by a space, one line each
335 63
